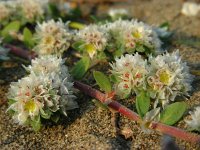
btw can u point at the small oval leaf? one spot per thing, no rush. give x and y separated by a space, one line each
142 103
80 68
28 37
79 46
103 81
13 26
173 113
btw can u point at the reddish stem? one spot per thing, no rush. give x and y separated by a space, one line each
133 116
106 99
176 132
20 52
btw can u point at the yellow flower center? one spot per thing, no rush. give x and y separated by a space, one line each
165 76
48 40
30 106
136 34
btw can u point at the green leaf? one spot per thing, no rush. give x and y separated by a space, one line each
165 25
76 25
11 27
101 56
55 117
140 48
113 78
53 11
45 114
11 101
36 123
103 81
142 103
173 113
79 46
28 37
117 53
80 68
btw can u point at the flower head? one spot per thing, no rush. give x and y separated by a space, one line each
53 38
194 124
131 36
6 10
94 37
43 92
130 71
31 10
168 77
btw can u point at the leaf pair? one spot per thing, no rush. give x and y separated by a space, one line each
170 115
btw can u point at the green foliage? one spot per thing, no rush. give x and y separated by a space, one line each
173 113
140 48
11 27
55 117
28 38
11 101
76 25
79 46
113 78
103 81
142 103
53 11
45 114
80 68
36 123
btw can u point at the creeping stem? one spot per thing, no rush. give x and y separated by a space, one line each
20 52
104 98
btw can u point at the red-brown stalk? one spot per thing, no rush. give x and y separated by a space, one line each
20 52
108 99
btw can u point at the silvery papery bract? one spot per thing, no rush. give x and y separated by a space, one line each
94 37
168 77
194 123
42 94
131 36
52 38
31 10
130 71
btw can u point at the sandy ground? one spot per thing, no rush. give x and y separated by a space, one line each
90 127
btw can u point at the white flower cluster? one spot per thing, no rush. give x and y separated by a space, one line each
48 89
168 77
131 36
52 37
163 77
194 124
131 71
24 10
31 10
122 35
6 10
94 37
